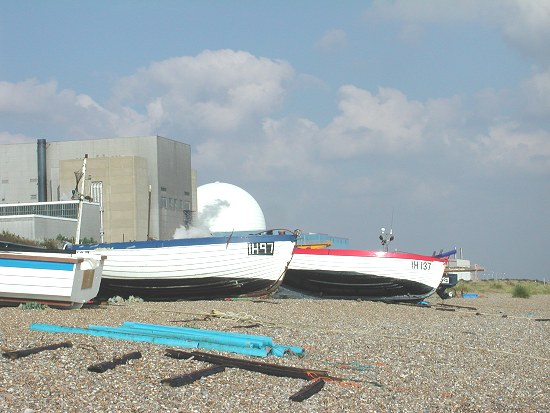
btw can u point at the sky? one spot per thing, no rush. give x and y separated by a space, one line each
340 117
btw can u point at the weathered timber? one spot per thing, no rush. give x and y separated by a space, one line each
12 355
444 309
308 390
265 368
458 306
108 365
407 304
248 326
184 379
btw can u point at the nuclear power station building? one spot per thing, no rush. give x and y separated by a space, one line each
136 188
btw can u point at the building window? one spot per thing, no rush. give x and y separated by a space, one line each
62 209
96 191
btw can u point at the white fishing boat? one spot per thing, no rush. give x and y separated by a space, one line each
193 268
52 278
371 275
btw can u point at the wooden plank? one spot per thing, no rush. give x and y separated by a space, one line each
308 390
108 365
181 380
12 355
42 257
265 368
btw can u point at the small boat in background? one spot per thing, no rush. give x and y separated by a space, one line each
195 268
52 278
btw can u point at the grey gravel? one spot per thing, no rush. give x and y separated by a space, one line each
493 357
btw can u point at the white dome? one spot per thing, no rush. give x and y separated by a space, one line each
225 208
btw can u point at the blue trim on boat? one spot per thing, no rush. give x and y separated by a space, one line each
38 265
188 242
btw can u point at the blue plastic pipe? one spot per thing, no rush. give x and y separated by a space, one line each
191 336
264 340
141 337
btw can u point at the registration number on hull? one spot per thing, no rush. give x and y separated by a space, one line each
261 248
421 265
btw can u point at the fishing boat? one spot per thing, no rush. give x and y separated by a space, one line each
51 278
192 268
371 275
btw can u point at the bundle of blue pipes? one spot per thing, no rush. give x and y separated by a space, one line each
259 346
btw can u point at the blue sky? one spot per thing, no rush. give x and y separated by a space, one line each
334 117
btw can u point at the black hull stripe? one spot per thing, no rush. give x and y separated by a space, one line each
200 288
350 284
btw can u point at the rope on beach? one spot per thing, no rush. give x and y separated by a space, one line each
239 317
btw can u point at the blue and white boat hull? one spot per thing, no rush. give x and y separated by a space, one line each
51 278
194 268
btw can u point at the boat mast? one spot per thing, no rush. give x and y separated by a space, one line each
79 194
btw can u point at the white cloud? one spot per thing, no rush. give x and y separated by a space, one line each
428 11
333 40
215 90
287 150
31 96
227 98
7 137
386 122
507 143
536 91
525 24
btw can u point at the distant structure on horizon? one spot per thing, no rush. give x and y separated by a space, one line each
137 188
140 188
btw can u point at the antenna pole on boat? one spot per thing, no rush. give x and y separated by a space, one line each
80 199
386 238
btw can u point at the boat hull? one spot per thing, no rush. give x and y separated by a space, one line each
50 278
195 268
371 275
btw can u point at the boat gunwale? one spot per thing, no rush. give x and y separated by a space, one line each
45 257
183 242
367 253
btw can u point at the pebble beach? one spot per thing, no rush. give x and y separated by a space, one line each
488 354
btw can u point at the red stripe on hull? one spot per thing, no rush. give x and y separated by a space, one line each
366 253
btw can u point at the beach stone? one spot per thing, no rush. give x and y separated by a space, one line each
380 357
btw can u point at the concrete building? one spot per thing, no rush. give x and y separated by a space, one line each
46 220
143 187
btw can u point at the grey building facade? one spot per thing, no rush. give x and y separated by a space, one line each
144 187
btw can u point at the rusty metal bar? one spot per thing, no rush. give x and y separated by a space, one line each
265 368
108 365
184 379
308 390
12 355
